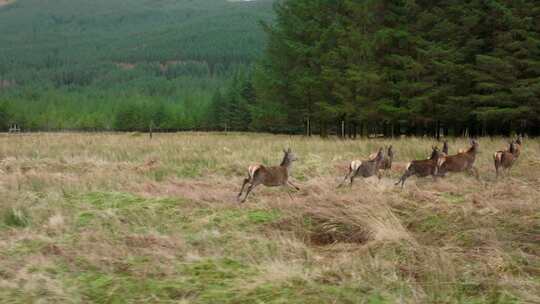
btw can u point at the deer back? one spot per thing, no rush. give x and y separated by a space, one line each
423 167
368 168
272 176
426 167
461 161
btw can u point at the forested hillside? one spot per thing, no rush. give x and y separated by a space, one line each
118 64
395 66
372 66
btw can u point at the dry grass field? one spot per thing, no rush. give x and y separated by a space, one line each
117 218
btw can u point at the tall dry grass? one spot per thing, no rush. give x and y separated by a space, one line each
119 217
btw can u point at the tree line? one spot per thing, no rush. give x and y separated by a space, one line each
393 67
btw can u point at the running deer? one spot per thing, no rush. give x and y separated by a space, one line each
365 168
269 176
463 161
505 159
422 168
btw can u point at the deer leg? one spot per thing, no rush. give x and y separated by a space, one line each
475 173
435 174
352 179
507 173
403 178
290 195
293 185
250 188
379 175
246 180
288 188
345 179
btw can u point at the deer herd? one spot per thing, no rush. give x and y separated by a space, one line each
437 165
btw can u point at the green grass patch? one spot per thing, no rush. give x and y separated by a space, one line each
113 209
433 222
241 218
159 174
453 198
16 218
206 281
296 291
195 167
26 247
118 200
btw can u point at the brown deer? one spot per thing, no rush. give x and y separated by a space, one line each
505 159
365 168
269 176
422 168
463 161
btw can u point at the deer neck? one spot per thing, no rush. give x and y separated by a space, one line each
287 166
472 152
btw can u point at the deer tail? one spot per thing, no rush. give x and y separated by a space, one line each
355 164
497 157
441 161
252 170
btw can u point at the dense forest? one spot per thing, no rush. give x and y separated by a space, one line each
343 67
119 64
393 67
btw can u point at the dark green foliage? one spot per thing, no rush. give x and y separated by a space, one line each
466 66
4 116
74 64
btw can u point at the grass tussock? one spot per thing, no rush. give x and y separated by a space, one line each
119 218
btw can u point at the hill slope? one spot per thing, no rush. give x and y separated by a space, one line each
44 36
74 64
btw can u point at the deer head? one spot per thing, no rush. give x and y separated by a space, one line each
474 145
435 153
288 158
